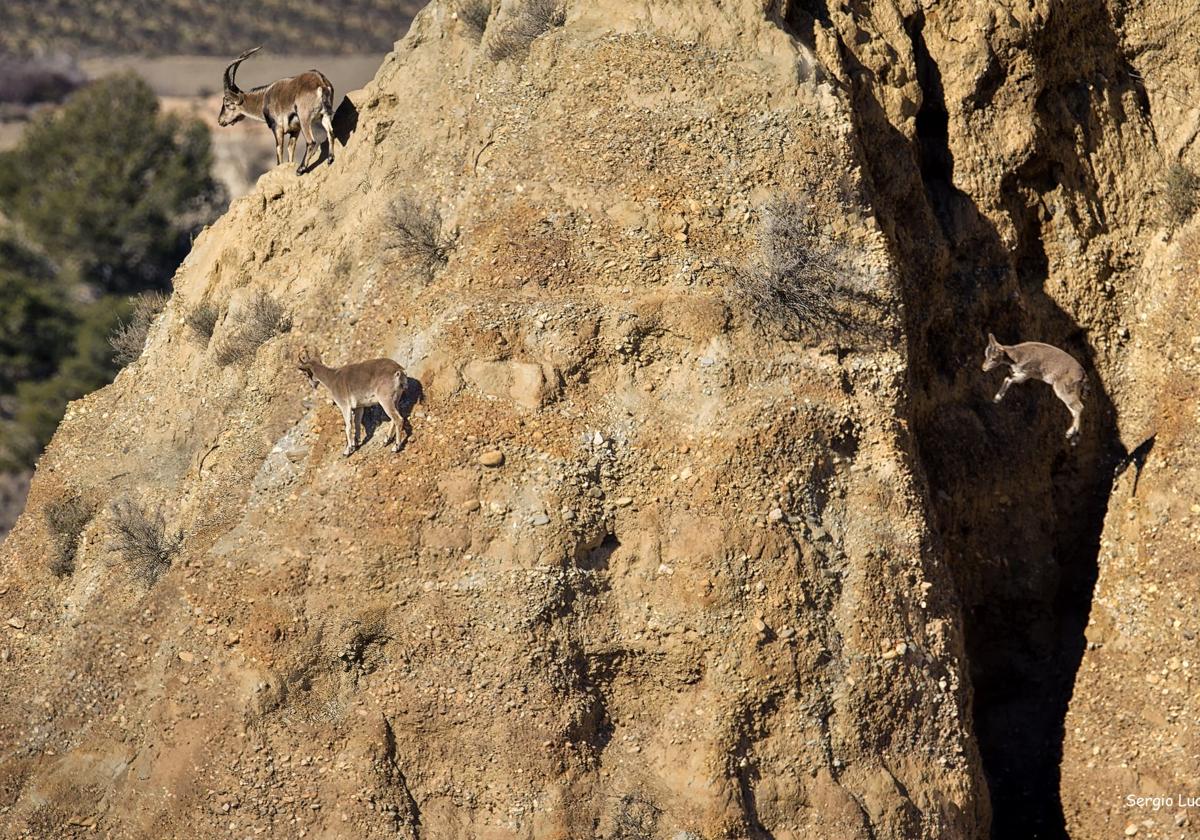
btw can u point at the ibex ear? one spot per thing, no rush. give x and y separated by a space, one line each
992 340
302 356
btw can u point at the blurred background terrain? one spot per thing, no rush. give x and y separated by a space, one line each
111 161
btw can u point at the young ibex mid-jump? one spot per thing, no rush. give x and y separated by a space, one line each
355 386
1034 360
288 107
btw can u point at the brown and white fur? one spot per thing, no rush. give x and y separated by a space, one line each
1034 360
355 386
288 107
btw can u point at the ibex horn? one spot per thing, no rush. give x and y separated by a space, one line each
231 70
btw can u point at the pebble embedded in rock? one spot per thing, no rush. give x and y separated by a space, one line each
471 506
624 501
492 458
187 656
541 519
16 622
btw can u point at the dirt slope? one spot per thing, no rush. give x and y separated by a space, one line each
698 595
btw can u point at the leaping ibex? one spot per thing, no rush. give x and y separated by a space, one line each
288 107
355 386
1034 360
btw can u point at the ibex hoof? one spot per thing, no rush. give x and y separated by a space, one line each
997 398
347 452
299 170
329 160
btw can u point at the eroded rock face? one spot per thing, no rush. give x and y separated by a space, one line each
642 569
1034 143
639 568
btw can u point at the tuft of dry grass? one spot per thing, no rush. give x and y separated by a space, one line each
1181 194
202 319
526 24
142 540
129 338
415 233
474 15
66 517
260 320
798 282
636 818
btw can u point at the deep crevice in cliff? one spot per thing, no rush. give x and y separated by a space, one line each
1018 513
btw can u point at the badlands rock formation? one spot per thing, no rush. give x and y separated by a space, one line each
646 569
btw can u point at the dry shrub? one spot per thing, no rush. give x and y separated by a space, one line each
636 818
527 23
129 338
474 15
1181 194
143 541
66 518
415 233
202 319
800 282
260 320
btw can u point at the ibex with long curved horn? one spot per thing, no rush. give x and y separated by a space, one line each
288 107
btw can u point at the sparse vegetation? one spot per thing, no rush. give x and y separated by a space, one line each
1181 194
260 320
636 818
66 518
143 541
474 15
129 338
530 20
798 282
416 234
202 319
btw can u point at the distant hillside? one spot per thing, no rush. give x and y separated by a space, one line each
206 27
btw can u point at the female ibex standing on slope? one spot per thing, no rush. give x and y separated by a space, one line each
1034 360
288 107
354 387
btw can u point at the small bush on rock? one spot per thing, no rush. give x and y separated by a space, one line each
530 21
474 15
799 281
1181 194
143 541
636 818
258 322
415 233
129 338
202 319
65 520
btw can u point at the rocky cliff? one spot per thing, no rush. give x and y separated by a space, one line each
645 568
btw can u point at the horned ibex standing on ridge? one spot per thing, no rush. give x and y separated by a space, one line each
288 107
356 386
1034 360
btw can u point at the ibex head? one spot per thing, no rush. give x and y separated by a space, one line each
305 362
231 103
993 354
